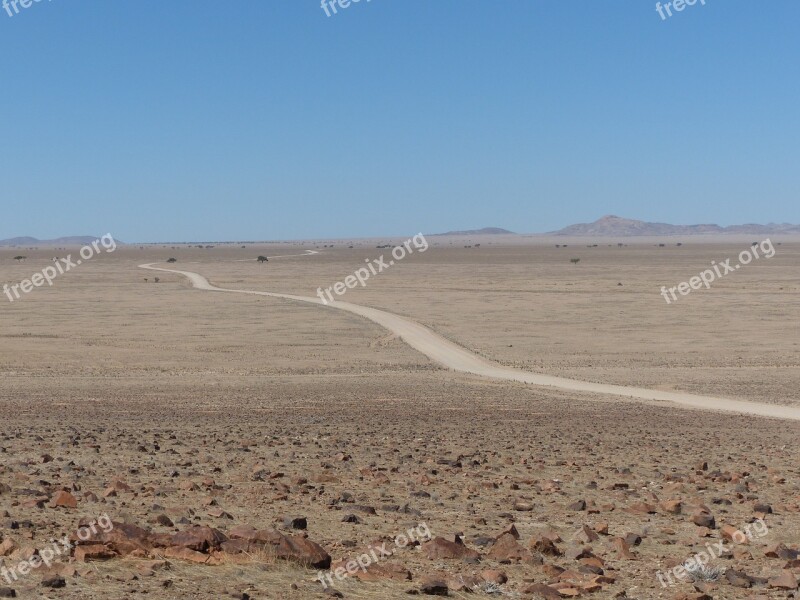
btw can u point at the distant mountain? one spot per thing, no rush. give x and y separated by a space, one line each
484 231
617 226
77 240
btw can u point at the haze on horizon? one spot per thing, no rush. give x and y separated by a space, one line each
190 121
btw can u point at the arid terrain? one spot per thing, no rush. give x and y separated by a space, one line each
218 430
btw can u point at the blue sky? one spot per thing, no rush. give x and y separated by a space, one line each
265 119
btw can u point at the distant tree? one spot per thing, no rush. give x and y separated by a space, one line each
146 280
263 259
172 260
574 261
19 258
156 279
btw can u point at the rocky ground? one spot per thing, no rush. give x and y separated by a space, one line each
243 447
514 492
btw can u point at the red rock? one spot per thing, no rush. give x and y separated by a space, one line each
522 506
738 579
219 514
703 518
93 552
64 500
494 576
243 532
782 552
200 539
673 507
585 535
545 546
545 591
621 546
642 508
552 571
440 548
507 548
34 503
785 581
511 529
7 547
295 548
730 533
124 538
187 555
239 547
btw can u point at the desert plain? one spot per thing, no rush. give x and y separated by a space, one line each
242 445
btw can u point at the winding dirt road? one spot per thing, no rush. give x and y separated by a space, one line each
452 356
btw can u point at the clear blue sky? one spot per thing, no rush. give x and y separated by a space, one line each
189 120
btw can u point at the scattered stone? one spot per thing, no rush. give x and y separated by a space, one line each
785 581
295 523
439 548
54 582
433 586
64 500
703 518
93 552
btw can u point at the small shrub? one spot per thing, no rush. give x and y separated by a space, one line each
698 572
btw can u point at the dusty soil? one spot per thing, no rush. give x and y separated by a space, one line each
220 410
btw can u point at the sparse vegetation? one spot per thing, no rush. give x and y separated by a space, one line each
698 572
574 261
19 258
263 259
172 260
